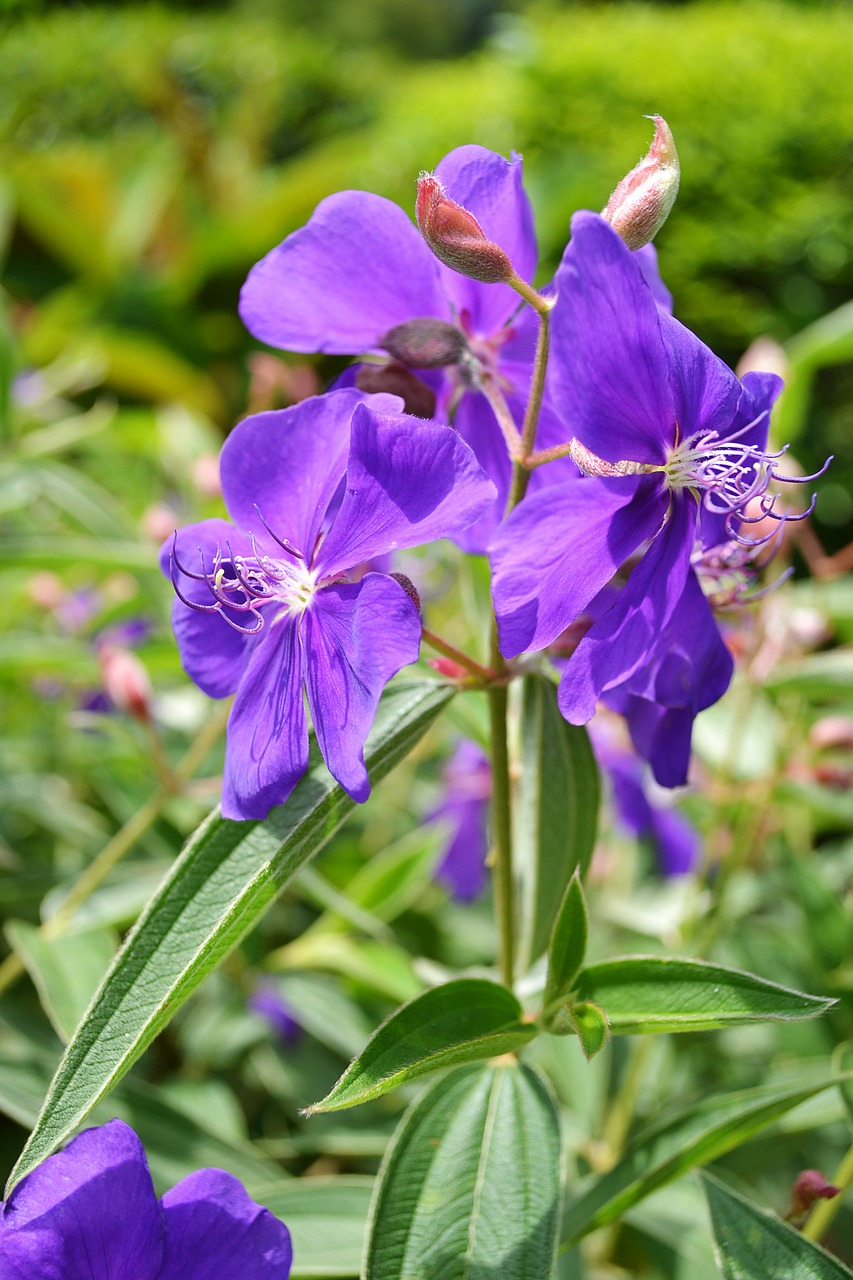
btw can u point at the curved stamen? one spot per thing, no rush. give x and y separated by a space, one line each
282 542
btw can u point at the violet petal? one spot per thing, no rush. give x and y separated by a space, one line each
214 1230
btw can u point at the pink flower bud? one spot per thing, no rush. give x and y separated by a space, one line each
125 681
447 667
810 1185
456 237
641 203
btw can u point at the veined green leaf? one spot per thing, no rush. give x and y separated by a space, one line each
657 993
226 877
568 942
751 1243
471 1183
556 814
694 1136
462 1021
327 1221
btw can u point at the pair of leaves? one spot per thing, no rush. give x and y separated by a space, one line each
226 877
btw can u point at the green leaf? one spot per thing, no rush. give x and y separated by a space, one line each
819 675
698 1134
556 812
751 1243
568 943
471 1183
66 970
462 1021
655 993
226 877
327 1221
593 1031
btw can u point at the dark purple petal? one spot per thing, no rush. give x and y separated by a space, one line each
408 482
356 637
661 735
268 1003
559 547
676 842
88 1213
609 370
267 740
215 1231
490 188
288 462
647 257
477 426
465 807
356 269
213 654
704 389
621 641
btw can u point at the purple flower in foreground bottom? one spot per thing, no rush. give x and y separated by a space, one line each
265 606
90 1213
468 789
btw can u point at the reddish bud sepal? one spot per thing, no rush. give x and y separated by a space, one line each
456 237
640 205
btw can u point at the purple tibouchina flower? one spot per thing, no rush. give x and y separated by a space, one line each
467 780
359 268
673 449
90 1212
265 606
270 1005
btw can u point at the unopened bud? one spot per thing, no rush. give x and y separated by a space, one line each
125 681
810 1185
409 588
641 203
396 380
456 237
447 667
425 344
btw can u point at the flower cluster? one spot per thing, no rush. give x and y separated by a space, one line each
647 486
90 1213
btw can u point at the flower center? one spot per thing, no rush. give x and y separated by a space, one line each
245 585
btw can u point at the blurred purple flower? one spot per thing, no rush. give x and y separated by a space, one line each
266 606
268 1004
90 1213
467 779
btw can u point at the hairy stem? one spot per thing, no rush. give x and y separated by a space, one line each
521 465
457 656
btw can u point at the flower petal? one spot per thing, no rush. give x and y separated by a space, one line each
214 1230
559 547
267 740
475 422
623 638
356 637
88 1212
408 482
490 187
647 258
356 269
704 389
289 462
609 370
213 654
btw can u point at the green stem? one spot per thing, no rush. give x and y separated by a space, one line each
501 410
502 831
521 465
538 302
456 655
824 1211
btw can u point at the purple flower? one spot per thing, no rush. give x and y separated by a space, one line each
265 606
359 269
465 807
673 448
675 841
90 1213
268 1004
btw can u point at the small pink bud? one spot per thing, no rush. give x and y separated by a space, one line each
641 203
125 681
810 1185
447 667
456 237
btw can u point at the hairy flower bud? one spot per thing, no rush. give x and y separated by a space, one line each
640 205
811 1185
409 588
425 344
125 681
396 380
456 237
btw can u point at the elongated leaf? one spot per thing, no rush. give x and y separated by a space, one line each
656 993
327 1220
224 880
556 811
697 1135
65 970
462 1021
471 1183
751 1243
568 942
